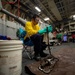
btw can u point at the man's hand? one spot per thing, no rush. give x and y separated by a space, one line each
42 31
49 28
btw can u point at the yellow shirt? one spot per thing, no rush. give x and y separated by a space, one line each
31 29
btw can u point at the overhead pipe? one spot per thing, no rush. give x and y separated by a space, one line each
27 7
47 12
16 18
8 2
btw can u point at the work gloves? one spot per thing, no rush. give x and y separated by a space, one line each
46 30
21 33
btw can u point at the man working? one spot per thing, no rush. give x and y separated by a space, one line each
33 31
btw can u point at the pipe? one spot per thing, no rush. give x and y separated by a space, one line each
8 2
18 19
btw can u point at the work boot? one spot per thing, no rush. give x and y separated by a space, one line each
44 46
43 54
36 57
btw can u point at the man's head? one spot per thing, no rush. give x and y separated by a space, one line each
35 19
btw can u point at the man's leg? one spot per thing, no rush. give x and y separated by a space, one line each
36 39
43 44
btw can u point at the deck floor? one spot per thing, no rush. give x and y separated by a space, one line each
66 64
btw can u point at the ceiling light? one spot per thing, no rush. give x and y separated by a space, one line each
46 19
74 16
37 9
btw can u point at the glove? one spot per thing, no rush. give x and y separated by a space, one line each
42 31
45 30
49 28
21 33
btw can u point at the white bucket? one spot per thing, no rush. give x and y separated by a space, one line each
10 57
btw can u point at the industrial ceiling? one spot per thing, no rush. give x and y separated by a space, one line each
56 10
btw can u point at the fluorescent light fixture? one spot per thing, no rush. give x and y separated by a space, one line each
74 16
46 19
37 9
